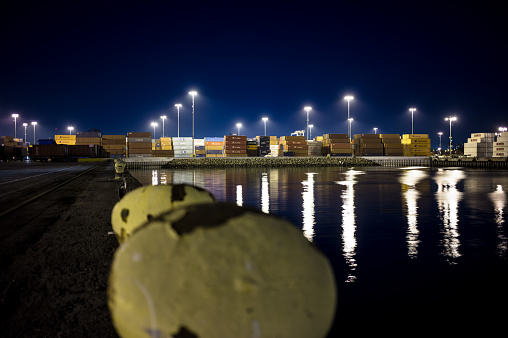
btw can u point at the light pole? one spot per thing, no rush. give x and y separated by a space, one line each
15 117
154 124
264 120
34 124
163 117
178 105
348 98
310 131
501 129
238 125
307 109
350 121
70 130
375 130
25 125
451 119
440 134
193 93
412 110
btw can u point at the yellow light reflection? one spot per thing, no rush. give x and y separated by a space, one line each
308 206
265 196
498 198
239 195
448 198
155 178
409 180
348 221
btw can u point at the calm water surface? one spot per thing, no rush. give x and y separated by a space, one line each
412 248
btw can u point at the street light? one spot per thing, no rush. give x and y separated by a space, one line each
15 117
307 109
25 125
412 110
264 120
350 121
310 131
178 105
451 119
34 124
193 93
501 129
154 124
238 125
440 134
70 130
375 130
348 98
163 117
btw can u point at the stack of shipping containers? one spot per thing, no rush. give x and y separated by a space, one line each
165 148
263 145
139 144
274 146
65 139
480 145
213 146
368 145
183 146
235 146
337 145
314 148
252 147
416 144
293 146
88 137
12 148
500 147
199 147
115 145
392 145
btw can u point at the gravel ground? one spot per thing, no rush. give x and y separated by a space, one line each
54 279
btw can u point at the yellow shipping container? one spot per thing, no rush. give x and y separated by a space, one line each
68 142
166 147
65 137
213 147
413 136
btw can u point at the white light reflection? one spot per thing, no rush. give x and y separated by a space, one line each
308 206
155 177
498 197
348 221
448 198
164 178
239 195
409 180
265 197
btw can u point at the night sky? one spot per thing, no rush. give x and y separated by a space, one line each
118 67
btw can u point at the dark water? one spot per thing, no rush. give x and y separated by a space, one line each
413 249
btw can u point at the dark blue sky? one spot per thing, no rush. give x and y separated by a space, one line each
119 67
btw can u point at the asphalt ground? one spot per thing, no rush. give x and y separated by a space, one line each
55 257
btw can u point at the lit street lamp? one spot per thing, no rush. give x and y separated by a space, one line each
34 124
238 125
310 131
70 129
375 130
501 129
451 119
307 109
412 110
25 125
264 120
440 134
154 124
348 98
193 93
163 117
15 117
178 105
350 121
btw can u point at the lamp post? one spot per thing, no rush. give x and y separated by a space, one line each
163 117
15 117
310 131
264 120
451 119
25 125
350 121
440 134
70 129
501 129
412 110
375 130
178 105
34 124
193 93
348 98
307 109
238 125
154 124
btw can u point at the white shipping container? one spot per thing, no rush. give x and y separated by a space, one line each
199 142
500 154
182 139
501 143
182 143
502 138
178 148
482 135
498 148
